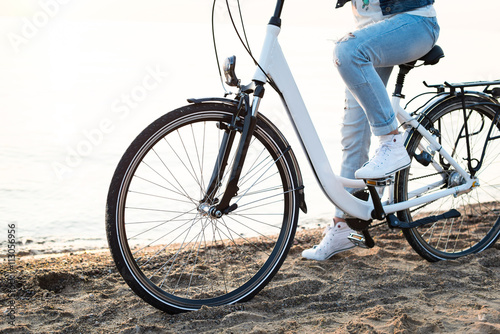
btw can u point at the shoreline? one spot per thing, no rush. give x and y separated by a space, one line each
30 246
34 254
386 289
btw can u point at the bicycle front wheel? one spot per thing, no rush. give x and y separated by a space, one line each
167 248
478 227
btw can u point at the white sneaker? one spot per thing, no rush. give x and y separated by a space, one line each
390 157
334 241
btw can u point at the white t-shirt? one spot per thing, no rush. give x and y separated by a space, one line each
369 11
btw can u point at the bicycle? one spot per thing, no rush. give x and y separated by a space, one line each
203 206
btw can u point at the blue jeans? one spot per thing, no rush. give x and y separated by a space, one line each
365 59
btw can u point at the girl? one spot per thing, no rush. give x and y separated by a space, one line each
389 33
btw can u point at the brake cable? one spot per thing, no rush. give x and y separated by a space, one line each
245 43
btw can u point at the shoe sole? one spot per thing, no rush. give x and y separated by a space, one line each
338 251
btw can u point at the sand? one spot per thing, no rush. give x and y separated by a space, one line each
386 289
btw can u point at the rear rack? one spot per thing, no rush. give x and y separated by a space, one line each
495 92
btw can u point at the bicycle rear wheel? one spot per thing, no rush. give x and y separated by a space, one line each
478 227
167 248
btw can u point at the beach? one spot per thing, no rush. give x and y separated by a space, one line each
386 289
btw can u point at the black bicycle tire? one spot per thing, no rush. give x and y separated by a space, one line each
120 250
413 236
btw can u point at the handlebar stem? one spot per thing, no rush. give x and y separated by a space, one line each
276 19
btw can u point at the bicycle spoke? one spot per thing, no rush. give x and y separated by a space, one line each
163 236
450 238
167 241
174 177
158 196
168 189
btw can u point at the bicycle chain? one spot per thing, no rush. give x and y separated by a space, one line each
423 177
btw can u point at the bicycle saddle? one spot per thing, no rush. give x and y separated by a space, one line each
432 57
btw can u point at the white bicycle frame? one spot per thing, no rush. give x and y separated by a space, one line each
273 62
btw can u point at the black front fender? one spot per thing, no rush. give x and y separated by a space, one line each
214 100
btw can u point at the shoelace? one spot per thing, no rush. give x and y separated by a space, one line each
381 154
325 232
327 229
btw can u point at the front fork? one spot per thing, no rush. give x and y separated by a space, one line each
221 207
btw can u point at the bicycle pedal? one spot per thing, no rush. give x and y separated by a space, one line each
358 239
383 182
